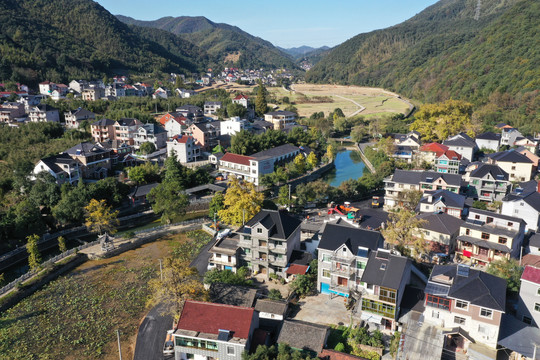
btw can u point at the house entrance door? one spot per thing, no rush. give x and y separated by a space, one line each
342 281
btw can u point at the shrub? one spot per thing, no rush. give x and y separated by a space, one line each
340 347
274 294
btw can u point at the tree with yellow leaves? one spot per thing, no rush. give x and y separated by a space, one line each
241 202
402 230
100 218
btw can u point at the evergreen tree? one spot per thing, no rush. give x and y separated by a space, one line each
34 257
261 102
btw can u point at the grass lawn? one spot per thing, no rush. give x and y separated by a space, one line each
76 316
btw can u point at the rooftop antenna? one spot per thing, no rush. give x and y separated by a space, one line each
477 11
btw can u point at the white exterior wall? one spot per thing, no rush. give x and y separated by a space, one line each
517 171
487 144
232 126
173 128
466 152
528 298
522 210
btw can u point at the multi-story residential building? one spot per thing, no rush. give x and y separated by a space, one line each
343 253
233 125
242 100
423 181
448 162
385 277
214 331
207 134
529 143
78 85
428 152
174 123
93 93
184 147
95 162
463 144
268 240
253 167
440 231
531 156
488 183
10 111
211 107
151 133
518 166
528 309
488 140
468 302
524 204
46 88
75 117
486 236
509 136
44 113
225 253
125 130
191 112
102 130
436 201
116 90
120 151
411 139
281 119
62 167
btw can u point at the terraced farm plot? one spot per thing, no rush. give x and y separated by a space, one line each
76 316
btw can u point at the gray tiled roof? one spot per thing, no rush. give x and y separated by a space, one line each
441 223
276 152
495 171
334 236
489 136
494 215
86 148
417 177
460 139
103 122
282 225
534 241
531 198
232 294
517 336
303 335
510 156
271 306
478 288
449 198
385 269
281 113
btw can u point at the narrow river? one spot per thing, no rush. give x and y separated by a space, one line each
348 165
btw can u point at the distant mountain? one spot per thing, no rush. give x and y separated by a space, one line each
228 44
66 39
303 51
453 49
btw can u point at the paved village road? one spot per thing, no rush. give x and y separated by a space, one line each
152 334
201 261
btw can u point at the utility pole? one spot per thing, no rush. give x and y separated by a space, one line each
243 216
119 348
534 352
521 257
161 269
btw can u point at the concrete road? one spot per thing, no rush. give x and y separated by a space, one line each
201 261
152 334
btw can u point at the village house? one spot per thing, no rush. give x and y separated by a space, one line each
463 144
75 117
95 162
151 133
206 134
509 136
487 236
242 100
528 309
524 203
518 166
191 112
429 152
448 162
529 143
304 336
268 240
174 123
211 107
488 141
102 130
214 331
10 111
423 181
184 147
487 182
46 88
62 167
440 231
93 93
436 201
233 125
125 130
343 253
281 119
116 90
225 253
44 113
120 152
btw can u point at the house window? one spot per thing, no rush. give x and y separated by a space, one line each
485 236
527 320
537 307
438 302
502 240
487 313
459 320
510 224
462 304
326 258
259 231
467 231
476 217
361 265
230 350
326 273
435 314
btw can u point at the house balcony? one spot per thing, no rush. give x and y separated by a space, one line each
379 298
276 261
260 260
342 289
278 249
343 270
223 261
246 243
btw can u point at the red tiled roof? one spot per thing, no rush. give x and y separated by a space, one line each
531 274
296 269
241 96
434 147
531 259
209 318
182 139
237 159
336 355
450 154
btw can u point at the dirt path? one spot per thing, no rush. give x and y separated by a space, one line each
361 108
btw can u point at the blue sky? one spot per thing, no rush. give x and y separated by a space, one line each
287 24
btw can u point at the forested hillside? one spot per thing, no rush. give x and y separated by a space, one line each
453 49
229 45
65 39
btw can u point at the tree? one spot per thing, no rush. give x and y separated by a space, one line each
62 244
144 174
34 257
169 200
274 294
216 204
226 277
241 202
303 285
147 148
261 102
234 109
312 160
387 146
283 196
331 152
508 269
300 163
409 199
402 231
100 218
244 143
358 133
477 204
